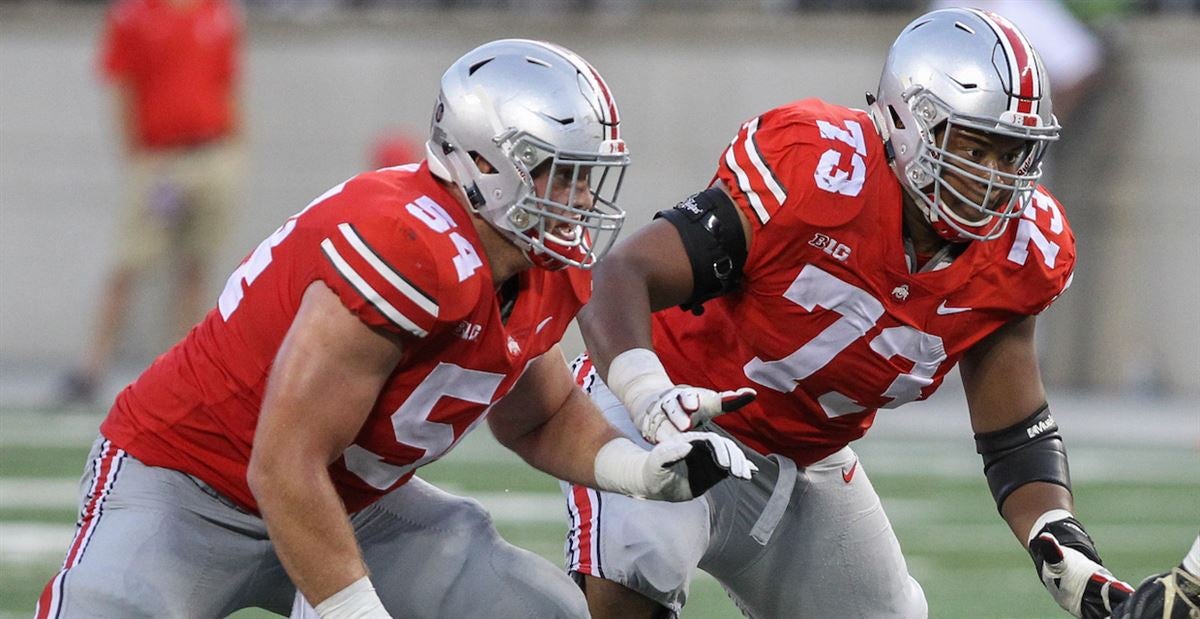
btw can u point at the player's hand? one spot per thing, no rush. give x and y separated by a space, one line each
1171 595
1070 568
682 408
686 465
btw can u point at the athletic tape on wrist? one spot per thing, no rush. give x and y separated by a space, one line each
618 467
635 376
1049 516
357 600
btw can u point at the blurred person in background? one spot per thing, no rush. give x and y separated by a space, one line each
273 450
174 67
841 261
393 147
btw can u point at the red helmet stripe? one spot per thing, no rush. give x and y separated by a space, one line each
608 106
1022 62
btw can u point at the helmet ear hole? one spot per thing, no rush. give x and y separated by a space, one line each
481 162
899 124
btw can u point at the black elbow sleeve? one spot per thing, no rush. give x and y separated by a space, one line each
1029 451
712 235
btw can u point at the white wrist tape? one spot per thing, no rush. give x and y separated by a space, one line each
636 376
357 601
1050 516
619 466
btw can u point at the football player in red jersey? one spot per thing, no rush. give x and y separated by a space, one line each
274 448
841 261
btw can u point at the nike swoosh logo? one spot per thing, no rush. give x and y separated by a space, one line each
847 475
542 324
943 310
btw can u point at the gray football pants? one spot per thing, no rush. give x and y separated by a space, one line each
154 542
792 542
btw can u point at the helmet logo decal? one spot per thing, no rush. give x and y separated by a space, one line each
1024 79
606 105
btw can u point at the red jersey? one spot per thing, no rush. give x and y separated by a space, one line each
402 255
829 324
180 65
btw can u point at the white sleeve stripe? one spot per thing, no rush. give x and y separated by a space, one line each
421 300
744 184
756 158
387 309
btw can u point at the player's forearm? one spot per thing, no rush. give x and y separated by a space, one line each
565 445
1023 507
309 527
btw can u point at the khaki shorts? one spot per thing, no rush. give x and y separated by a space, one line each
178 203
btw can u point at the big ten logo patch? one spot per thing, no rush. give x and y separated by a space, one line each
468 330
839 251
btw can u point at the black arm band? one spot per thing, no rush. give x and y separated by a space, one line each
712 235
1029 451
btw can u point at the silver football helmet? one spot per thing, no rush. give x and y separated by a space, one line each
972 69
524 107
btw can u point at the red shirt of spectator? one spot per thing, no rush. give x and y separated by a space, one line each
178 61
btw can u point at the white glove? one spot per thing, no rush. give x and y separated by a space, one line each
1070 568
680 468
660 408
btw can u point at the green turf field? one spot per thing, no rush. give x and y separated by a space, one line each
1143 517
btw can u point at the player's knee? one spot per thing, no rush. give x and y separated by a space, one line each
468 514
91 593
532 586
656 552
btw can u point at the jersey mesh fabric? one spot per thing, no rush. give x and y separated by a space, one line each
829 325
392 263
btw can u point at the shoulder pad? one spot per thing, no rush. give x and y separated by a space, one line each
820 160
403 267
1043 249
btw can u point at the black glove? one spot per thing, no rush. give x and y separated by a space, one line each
1170 595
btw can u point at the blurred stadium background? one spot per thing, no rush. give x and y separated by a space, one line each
323 79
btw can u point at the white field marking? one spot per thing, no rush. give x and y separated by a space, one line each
24 542
47 430
921 537
1089 463
931 457
39 493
